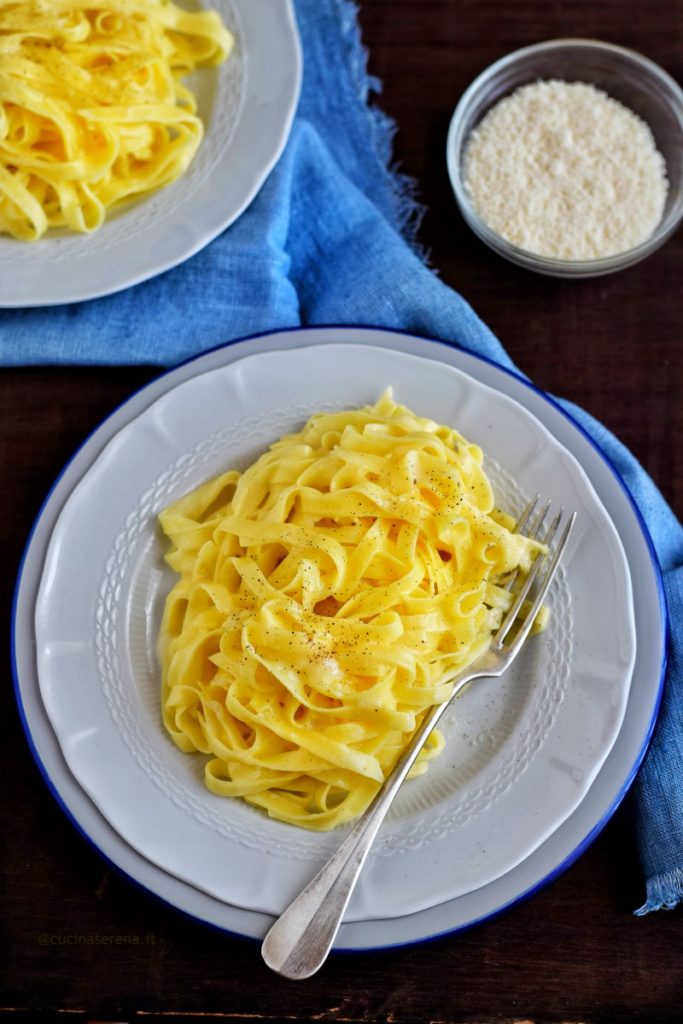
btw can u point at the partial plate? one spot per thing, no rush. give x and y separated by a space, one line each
541 866
247 104
521 753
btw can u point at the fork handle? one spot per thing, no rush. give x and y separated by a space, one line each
298 943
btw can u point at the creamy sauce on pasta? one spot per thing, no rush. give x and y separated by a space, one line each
326 597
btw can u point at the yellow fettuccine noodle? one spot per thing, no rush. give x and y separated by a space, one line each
326 597
92 108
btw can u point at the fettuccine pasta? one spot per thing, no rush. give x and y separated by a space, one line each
92 108
326 596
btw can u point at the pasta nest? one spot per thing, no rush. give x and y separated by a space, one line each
326 598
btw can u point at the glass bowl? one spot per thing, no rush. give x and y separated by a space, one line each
633 80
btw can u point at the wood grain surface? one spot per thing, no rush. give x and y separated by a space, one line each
574 953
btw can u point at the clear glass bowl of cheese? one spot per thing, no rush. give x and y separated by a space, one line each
625 76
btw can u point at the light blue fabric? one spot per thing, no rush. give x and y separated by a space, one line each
329 240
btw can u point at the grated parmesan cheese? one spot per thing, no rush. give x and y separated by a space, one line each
563 170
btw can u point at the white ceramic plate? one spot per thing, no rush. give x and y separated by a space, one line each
521 754
540 866
247 104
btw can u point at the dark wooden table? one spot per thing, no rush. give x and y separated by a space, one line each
574 952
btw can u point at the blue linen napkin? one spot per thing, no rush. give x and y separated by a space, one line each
330 240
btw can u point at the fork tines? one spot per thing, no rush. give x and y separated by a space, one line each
548 560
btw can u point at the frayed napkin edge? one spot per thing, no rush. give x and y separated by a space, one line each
664 892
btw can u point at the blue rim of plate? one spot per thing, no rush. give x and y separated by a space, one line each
588 839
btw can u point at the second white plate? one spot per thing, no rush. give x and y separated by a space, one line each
247 105
520 756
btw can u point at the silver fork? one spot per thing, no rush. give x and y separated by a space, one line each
298 943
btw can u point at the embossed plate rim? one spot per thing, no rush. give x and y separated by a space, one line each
475 855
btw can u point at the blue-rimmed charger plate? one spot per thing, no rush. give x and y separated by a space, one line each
541 864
